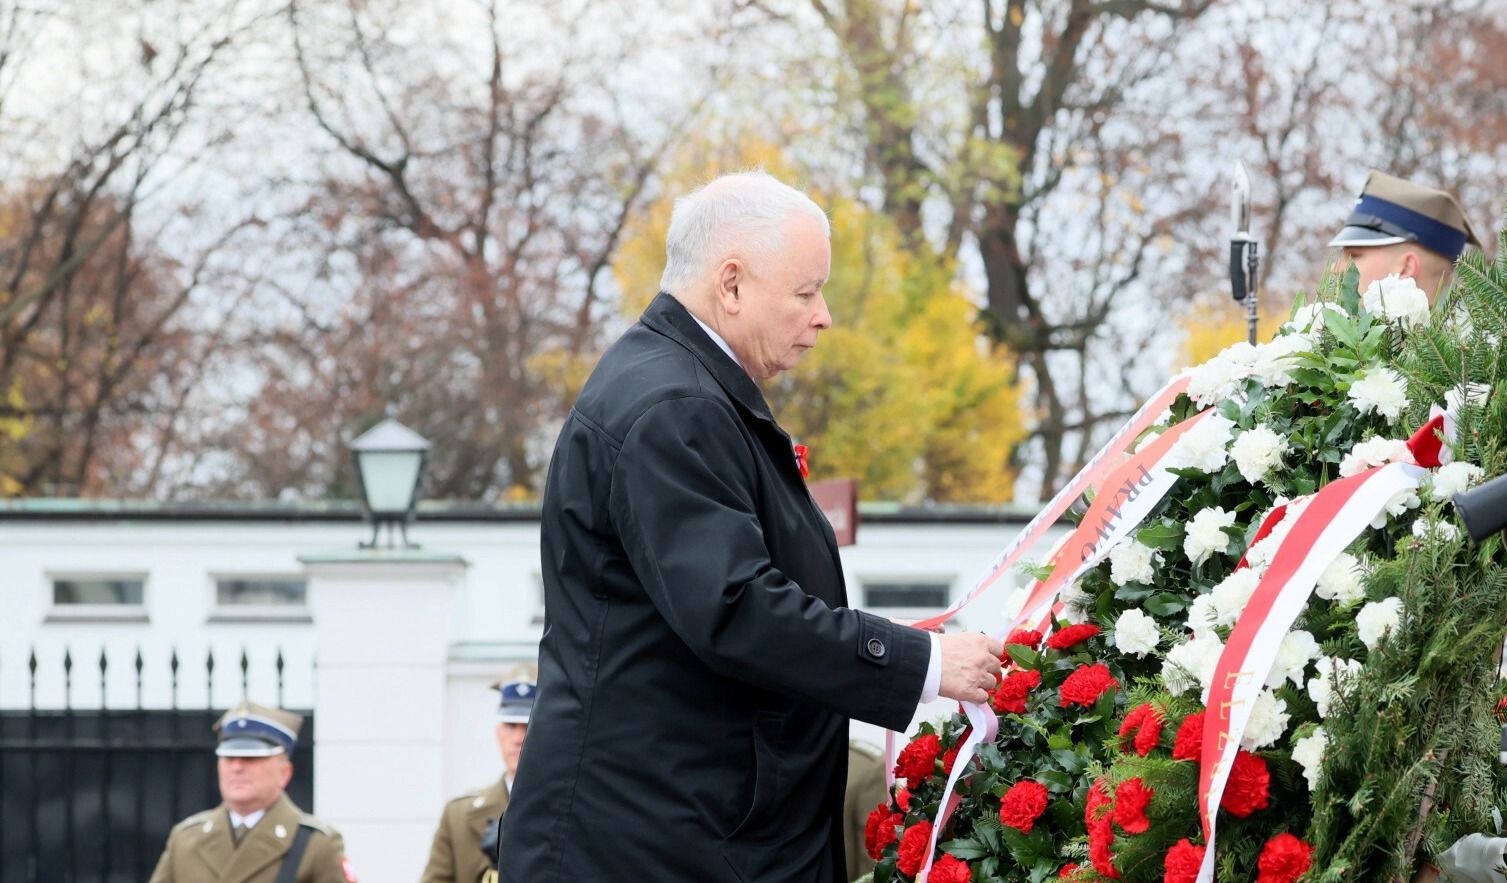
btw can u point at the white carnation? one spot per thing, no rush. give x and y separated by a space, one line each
1381 390
1131 562
1376 619
1342 581
1397 299
1203 615
1454 478
1374 451
1136 633
1333 674
1256 451
1205 446
1260 554
1075 603
1275 361
1267 723
1191 664
1423 528
1232 594
1308 752
1211 381
1204 535
1474 394
1310 317
1298 648
1400 503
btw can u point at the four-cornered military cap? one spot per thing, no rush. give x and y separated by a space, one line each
517 701
1391 210
251 730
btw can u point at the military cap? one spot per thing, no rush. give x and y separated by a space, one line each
517 701
251 730
1390 210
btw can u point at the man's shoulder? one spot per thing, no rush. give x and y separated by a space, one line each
307 821
197 820
641 370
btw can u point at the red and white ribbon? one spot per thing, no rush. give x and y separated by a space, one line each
1331 521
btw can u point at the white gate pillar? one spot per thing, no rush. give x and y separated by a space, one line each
384 620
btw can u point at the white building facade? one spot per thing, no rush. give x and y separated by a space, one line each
393 650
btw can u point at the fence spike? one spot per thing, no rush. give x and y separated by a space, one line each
245 673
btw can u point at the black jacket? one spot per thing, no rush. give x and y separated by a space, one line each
698 665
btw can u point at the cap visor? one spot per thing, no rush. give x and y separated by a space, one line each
1365 237
512 717
248 748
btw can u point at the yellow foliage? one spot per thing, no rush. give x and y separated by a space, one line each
903 393
1211 324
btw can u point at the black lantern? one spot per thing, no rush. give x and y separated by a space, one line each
390 461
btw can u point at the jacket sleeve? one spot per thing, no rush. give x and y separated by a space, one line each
683 503
441 867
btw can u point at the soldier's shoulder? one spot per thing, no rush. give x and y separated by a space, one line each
194 821
307 821
865 751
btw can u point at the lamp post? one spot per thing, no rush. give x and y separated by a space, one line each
1244 252
390 461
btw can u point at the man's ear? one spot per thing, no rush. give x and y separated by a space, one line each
729 275
1411 267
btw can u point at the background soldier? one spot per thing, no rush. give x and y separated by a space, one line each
1398 227
257 835
467 835
866 790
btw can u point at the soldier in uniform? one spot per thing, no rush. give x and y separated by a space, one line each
1401 228
466 838
257 835
866 790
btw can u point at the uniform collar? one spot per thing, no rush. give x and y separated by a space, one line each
669 317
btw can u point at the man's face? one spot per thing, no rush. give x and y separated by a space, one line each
510 743
1372 263
248 784
780 305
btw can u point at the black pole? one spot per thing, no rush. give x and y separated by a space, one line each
68 760
139 857
104 786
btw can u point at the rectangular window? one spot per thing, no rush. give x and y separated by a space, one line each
915 594
261 592
101 591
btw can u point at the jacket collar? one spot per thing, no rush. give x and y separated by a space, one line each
669 317
264 844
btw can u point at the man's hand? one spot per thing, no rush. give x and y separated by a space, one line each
970 666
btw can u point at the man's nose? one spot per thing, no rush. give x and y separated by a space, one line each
823 318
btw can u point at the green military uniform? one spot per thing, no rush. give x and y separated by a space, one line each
866 790
456 855
201 849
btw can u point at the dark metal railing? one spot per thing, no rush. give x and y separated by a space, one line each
89 795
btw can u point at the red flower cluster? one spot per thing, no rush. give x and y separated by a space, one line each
1145 721
1011 695
1069 872
879 830
1189 743
918 760
1022 805
1086 684
1283 859
1248 788
1097 815
1025 637
1072 636
948 869
913 846
902 798
1131 800
1183 862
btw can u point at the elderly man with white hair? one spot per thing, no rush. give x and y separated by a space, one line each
699 662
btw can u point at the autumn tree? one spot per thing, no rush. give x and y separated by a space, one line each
904 392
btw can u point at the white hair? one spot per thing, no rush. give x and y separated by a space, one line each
745 212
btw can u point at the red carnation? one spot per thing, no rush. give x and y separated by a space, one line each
1131 800
951 756
1011 695
1085 685
1072 636
1100 836
1283 859
1025 637
948 869
879 830
1022 805
1098 797
902 798
1189 744
1068 871
1146 723
1183 862
913 845
918 760
1247 789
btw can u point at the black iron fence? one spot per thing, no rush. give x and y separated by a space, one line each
89 795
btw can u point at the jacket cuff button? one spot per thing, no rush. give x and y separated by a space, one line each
876 648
